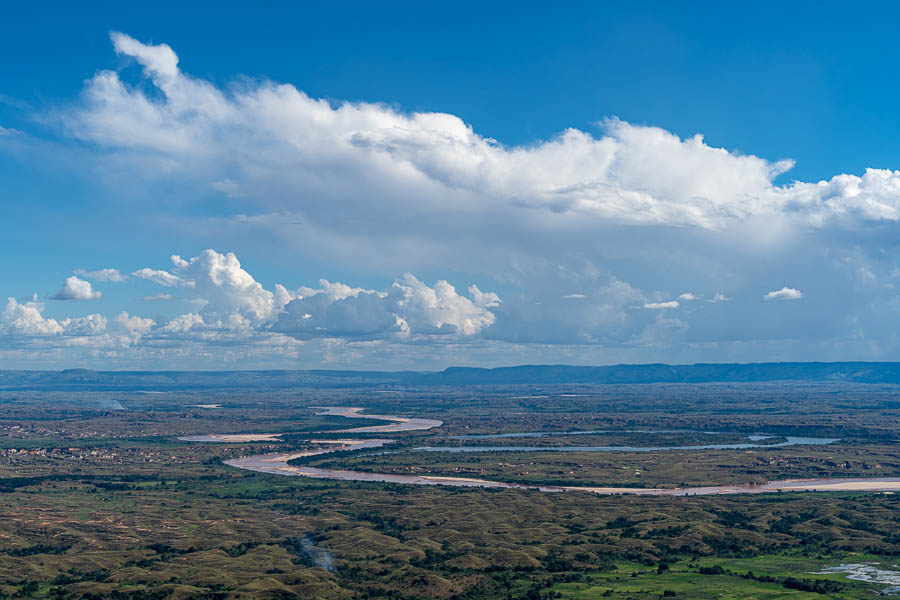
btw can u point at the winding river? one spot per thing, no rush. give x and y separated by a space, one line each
277 463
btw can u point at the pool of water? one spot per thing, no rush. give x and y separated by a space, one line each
871 572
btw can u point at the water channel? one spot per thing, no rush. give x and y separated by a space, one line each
278 463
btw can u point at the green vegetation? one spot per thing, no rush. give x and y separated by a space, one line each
708 579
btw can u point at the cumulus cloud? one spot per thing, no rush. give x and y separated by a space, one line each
84 326
341 324
441 308
76 289
226 287
408 308
134 324
228 296
183 323
687 297
232 303
26 319
785 293
103 275
161 297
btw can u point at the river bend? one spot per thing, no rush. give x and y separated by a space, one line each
277 463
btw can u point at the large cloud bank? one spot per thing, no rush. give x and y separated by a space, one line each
634 244
634 174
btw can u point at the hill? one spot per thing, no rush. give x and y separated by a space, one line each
86 379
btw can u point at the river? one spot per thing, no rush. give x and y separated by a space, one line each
277 463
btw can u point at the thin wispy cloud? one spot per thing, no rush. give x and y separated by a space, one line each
102 275
661 305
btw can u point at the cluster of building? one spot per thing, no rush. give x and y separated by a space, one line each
11 455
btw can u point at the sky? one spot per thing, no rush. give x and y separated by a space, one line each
279 185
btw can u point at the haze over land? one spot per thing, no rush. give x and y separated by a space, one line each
75 379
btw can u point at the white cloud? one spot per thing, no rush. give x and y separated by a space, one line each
162 278
162 297
720 297
183 323
574 296
483 299
441 308
687 297
226 287
661 305
134 324
160 62
234 308
785 293
228 296
275 137
26 319
366 315
103 275
408 308
76 289
84 326
8 131
334 291
233 300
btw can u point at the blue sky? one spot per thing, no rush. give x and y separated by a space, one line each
475 185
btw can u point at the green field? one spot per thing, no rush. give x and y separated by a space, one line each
794 578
